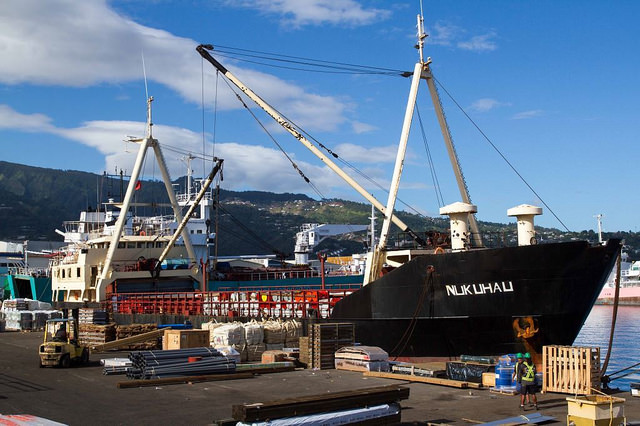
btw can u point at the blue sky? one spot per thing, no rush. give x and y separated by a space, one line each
554 85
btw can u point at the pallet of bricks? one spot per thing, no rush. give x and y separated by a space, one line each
318 348
570 369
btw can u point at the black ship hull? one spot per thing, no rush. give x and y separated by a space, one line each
481 302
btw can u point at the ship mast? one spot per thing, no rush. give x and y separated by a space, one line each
145 143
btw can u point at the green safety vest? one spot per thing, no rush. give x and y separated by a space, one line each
530 373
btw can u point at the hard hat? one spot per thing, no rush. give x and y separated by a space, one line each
519 355
527 355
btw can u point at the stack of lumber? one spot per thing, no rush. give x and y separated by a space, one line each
93 334
355 406
93 316
124 331
324 340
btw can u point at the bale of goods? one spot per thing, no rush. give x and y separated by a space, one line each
254 333
254 352
293 332
231 334
274 332
211 326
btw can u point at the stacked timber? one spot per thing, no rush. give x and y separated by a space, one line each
305 350
124 331
325 339
94 334
93 316
373 405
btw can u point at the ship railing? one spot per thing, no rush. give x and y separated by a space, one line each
245 304
31 271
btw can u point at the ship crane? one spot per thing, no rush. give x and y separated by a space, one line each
312 234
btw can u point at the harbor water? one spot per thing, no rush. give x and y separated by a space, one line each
626 344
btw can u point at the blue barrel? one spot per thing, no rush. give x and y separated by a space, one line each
504 373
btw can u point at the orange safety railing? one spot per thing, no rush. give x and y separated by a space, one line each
249 303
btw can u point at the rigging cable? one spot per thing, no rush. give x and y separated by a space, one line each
434 176
500 153
406 336
293 163
240 224
340 67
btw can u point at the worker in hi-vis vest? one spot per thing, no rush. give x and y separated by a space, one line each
527 375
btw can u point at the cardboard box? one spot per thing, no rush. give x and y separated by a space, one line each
183 339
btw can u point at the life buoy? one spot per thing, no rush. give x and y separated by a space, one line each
142 233
438 250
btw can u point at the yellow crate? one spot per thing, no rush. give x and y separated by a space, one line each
596 407
570 369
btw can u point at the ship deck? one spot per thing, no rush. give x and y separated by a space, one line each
83 395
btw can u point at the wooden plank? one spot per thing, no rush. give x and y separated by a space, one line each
421 379
129 340
180 380
318 403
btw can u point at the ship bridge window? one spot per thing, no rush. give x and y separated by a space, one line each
192 231
63 274
149 245
78 272
131 245
199 231
120 245
140 245
158 244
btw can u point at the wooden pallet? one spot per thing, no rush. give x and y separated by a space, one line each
570 369
503 391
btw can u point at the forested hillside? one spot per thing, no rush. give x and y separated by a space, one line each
35 201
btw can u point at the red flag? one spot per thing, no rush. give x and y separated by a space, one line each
138 185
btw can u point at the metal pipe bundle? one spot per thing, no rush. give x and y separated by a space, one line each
175 363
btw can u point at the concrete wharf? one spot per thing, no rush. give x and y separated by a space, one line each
83 395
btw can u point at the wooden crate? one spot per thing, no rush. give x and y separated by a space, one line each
182 339
570 369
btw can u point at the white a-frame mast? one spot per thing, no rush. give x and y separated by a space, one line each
145 143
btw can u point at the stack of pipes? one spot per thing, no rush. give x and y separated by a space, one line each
115 365
178 363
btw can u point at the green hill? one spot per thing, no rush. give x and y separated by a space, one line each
35 201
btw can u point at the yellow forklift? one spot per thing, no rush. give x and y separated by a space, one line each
60 346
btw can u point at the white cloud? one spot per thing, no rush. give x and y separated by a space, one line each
246 166
443 33
83 44
486 104
528 114
446 34
359 127
361 154
298 13
10 119
480 43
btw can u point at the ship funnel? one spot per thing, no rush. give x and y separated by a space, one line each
459 222
524 214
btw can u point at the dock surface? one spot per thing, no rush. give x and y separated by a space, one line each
83 395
